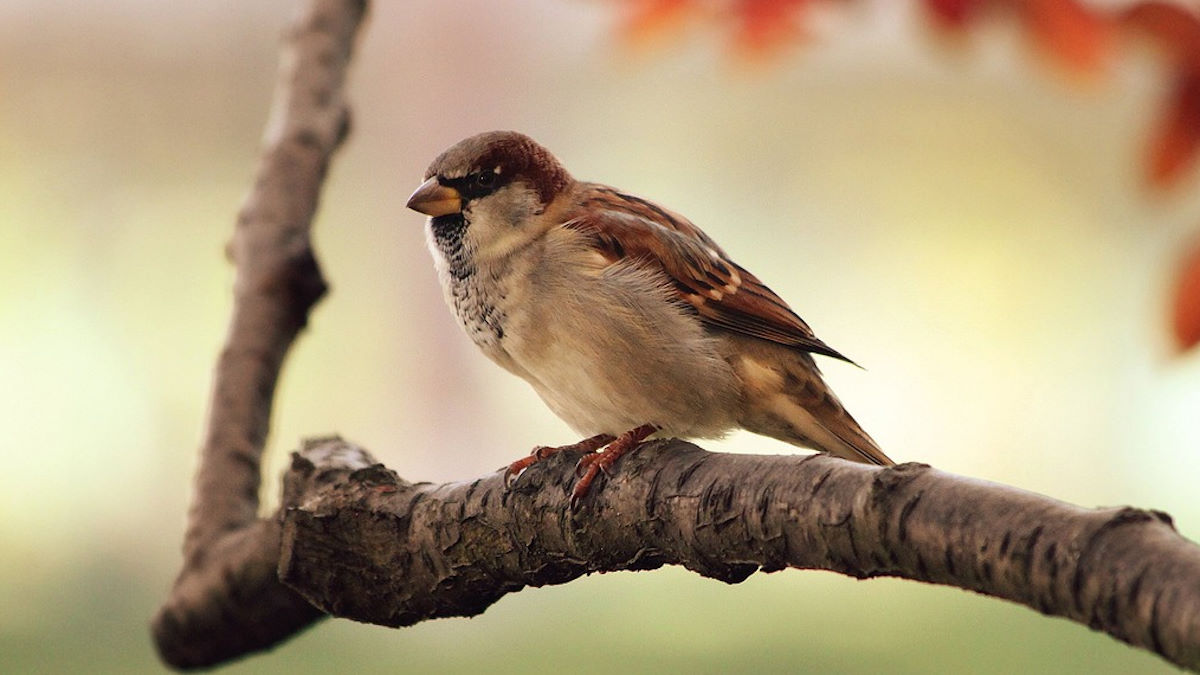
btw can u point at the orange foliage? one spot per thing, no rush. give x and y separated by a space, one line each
1174 28
653 16
1173 148
766 25
1080 36
1187 302
1066 30
1176 31
1076 35
953 13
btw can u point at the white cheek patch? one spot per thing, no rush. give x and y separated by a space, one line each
500 222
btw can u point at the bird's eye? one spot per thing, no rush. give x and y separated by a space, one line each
485 179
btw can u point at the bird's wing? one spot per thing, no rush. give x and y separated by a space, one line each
624 227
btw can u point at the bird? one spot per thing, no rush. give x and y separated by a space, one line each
625 317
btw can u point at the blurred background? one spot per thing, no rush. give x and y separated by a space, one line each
966 221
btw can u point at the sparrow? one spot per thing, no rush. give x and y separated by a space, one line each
626 318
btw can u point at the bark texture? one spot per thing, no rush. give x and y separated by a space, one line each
227 599
372 547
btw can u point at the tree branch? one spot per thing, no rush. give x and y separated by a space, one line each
227 599
370 546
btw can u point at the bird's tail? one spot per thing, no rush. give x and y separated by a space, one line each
786 398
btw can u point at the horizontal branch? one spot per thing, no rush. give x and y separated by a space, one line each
372 547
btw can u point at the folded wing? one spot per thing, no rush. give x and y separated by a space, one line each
722 293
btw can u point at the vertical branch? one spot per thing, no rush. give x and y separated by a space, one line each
230 555
278 280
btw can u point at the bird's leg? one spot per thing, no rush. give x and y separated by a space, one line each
590 465
543 451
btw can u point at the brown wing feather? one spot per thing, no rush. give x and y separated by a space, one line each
722 293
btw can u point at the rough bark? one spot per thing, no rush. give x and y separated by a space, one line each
227 599
372 547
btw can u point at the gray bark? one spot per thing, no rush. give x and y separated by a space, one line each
372 547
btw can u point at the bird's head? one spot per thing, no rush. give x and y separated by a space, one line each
489 191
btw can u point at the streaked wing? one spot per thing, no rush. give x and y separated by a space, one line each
722 293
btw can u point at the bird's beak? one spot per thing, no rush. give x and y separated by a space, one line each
435 199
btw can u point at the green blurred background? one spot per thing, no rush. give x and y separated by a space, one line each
968 223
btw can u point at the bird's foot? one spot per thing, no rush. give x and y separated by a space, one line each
592 464
541 452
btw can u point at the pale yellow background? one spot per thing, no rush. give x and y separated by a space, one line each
967 224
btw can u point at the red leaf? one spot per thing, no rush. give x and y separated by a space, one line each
1187 302
953 13
765 25
1174 145
1068 31
1176 29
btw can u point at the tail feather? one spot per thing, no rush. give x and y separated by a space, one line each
857 445
790 401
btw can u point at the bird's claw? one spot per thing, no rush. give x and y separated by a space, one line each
595 462
584 483
514 470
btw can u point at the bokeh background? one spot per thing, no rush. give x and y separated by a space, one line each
965 220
